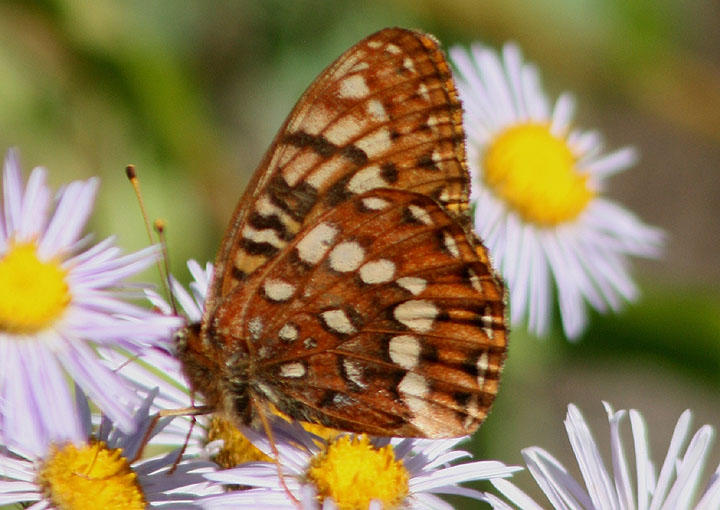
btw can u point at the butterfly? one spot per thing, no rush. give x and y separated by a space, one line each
349 289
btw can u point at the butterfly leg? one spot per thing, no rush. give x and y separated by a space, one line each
163 413
273 447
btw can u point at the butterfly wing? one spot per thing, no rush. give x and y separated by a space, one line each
385 114
381 318
348 289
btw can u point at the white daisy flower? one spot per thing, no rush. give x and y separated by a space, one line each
626 486
351 472
102 471
537 186
59 299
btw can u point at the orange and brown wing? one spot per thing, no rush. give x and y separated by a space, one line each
385 114
383 318
349 288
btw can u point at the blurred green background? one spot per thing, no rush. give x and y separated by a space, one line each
192 93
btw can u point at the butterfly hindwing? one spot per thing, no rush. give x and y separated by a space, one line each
381 318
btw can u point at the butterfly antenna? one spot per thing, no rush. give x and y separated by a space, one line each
131 174
159 227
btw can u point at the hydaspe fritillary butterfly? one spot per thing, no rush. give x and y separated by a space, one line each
349 289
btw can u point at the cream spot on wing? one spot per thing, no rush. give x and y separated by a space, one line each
413 284
482 366
408 64
420 214
278 290
417 315
374 44
405 351
313 247
488 321
354 372
376 143
288 333
423 91
376 109
377 271
266 235
255 327
296 169
391 48
375 203
354 87
474 413
338 321
451 244
346 256
343 130
436 157
475 283
360 66
311 120
366 179
266 208
294 369
324 174
310 343
342 400
414 384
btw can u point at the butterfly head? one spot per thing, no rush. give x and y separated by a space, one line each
199 364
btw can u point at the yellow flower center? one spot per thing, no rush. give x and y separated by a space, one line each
534 172
236 449
353 472
90 477
33 293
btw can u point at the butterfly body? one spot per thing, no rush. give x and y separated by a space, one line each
349 289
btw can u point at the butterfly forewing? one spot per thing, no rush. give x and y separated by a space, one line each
385 114
349 290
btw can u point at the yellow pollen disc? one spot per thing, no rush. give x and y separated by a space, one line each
90 477
33 293
534 172
237 449
353 472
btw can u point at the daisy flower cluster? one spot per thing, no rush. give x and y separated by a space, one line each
63 300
